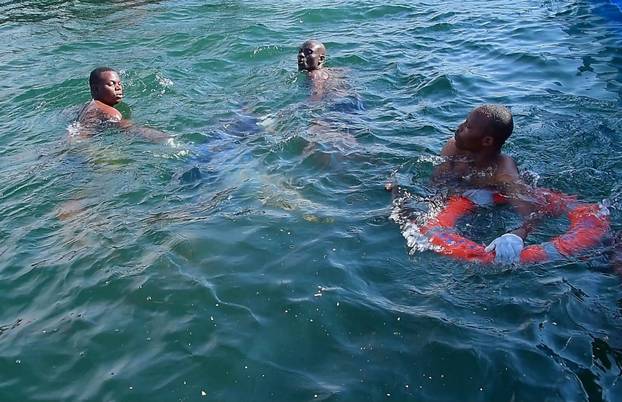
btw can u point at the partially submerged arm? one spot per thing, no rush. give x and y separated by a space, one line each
508 246
520 195
151 134
93 116
96 115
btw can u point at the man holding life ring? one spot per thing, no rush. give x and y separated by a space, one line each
473 160
480 175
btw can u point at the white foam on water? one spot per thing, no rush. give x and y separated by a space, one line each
411 222
530 177
73 129
182 150
164 82
435 160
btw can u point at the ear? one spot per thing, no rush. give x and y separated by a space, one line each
488 141
322 58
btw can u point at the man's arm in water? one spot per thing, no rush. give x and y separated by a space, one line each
506 179
97 113
146 132
442 171
520 195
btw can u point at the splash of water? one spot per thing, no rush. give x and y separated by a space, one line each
411 213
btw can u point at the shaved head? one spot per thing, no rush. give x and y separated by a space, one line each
314 43
499 119
311 55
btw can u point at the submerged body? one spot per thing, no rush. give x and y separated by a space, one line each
474 165
326 85
311 59
106 92
477 173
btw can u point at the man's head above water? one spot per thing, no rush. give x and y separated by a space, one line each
106 86
311 55
486 127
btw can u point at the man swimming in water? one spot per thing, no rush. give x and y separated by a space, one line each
311 58
474 164
327 84
107 91
474 156
474 160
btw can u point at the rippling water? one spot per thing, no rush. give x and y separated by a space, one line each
278 276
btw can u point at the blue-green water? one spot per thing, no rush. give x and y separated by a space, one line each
278 276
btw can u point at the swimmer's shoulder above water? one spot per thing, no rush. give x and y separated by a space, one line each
106 92
474 155
473 160
311 59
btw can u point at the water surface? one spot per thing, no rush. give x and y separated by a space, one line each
278 275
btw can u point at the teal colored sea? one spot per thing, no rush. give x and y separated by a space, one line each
254 257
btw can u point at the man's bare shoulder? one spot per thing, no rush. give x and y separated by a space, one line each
507 165
506 169
450 149
97 112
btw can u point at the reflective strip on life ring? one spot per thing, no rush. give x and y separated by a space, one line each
588 224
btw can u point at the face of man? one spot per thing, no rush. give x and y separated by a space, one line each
109 89
311 56
472 135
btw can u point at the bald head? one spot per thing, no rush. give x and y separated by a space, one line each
314 43
311 55
499 121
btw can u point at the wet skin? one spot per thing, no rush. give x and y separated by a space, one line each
473 160
109 89
311 56
107 92
472 134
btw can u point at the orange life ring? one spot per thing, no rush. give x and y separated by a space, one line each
588 224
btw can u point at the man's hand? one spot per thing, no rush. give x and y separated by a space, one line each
507 248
